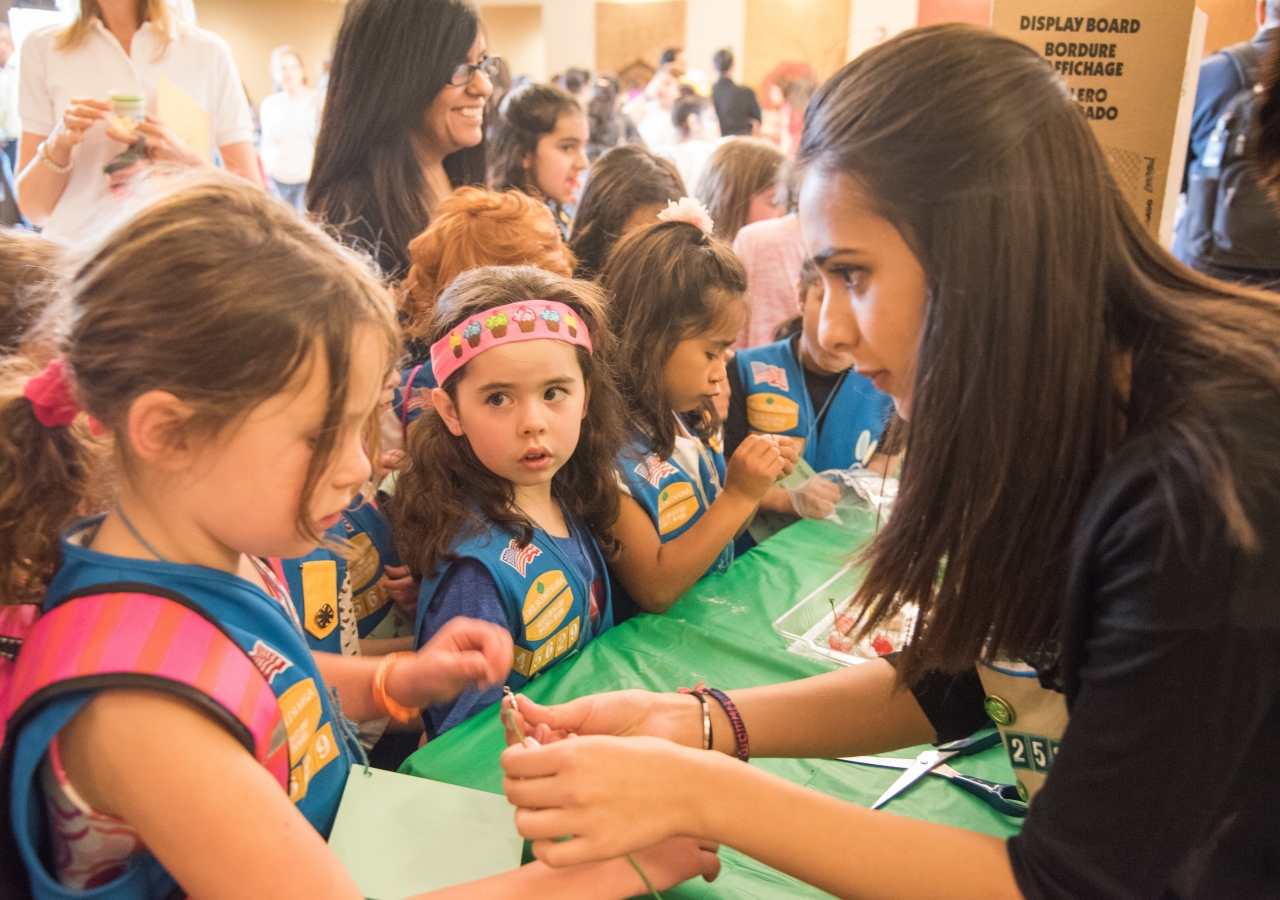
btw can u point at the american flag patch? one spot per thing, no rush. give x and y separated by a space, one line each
269 662
518 557
418 399
654 470
763 373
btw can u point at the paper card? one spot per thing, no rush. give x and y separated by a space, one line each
1128 63
185 116
399 836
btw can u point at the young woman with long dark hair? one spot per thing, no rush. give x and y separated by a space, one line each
403 120
1089 522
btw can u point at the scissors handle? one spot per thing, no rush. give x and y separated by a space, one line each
1000 797
970 745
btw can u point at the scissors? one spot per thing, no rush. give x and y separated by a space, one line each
1002 798
930 760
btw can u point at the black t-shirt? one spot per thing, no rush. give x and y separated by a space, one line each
819 385
736 106
1169 658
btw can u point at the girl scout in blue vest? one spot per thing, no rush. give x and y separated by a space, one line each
678 298
233 443
506 497
795 388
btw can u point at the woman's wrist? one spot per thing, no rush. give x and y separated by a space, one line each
58 147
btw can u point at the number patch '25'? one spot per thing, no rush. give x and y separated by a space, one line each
1032 752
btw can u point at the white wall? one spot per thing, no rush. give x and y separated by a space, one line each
710 25
874 21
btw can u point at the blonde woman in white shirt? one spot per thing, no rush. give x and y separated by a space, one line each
290 121
65 76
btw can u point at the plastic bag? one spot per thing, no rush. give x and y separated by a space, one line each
824 495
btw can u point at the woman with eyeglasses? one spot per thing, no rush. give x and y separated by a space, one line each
403 122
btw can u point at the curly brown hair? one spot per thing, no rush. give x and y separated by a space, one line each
475 227
444 493
668 283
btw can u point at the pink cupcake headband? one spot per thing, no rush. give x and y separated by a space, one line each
532 320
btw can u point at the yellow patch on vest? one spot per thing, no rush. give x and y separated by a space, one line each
772 413
320 597
551 618
369 602
558 645
677 504
545 589
364 561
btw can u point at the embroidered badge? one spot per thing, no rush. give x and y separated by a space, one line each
418 399
654 470
763 373
518 557
269 662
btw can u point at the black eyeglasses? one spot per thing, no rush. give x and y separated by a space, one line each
464 72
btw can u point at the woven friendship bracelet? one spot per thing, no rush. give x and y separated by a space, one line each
743 751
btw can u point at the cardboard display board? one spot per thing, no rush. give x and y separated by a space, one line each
1132 65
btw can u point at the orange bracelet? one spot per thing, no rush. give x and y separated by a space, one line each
385 704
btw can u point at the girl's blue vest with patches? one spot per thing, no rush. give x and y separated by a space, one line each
413 396
316 580
320 754
778 403
674 498
545 597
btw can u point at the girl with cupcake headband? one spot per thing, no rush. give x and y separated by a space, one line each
506 499
678 296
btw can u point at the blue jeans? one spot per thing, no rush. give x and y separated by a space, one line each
293 194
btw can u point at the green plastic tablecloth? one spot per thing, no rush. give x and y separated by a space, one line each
721 632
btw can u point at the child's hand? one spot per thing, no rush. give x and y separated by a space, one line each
790 449
815 498
463 653
756 465
676 860
391 460
402 588
675 717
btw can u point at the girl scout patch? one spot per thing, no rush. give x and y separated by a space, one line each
320 596
772 413
676 505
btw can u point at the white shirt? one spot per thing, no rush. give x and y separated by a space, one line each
657 130
10 126
690 158
197 61
289 129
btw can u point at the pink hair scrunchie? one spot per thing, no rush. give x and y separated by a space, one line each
51 397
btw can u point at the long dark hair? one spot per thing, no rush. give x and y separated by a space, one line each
527 114
1042 289
619 182
1266 138
391 59
444 492
668 282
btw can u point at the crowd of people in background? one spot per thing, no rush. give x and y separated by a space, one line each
478 284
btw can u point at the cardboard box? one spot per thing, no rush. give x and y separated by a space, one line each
1133 66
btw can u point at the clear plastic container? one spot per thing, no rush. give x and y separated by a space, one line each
814 627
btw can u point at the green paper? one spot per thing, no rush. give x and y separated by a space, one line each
399 836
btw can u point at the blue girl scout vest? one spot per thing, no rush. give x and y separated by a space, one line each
413 397
316 580
544 595
778 403
320 754
673 497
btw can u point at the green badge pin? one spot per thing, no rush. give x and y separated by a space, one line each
999 710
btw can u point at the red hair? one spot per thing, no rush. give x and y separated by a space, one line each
474 227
